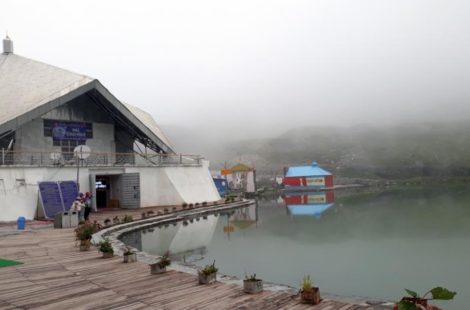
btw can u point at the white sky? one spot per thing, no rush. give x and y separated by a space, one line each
263 65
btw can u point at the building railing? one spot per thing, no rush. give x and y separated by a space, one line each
58 159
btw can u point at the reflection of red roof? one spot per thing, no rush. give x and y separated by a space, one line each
242 224
241 167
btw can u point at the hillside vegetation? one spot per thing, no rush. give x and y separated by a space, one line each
428 149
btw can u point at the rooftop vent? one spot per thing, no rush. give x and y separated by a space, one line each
7 45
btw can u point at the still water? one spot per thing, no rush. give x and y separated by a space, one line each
370 245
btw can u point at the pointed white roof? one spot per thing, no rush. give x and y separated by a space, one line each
29 89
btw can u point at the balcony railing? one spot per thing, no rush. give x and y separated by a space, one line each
54 159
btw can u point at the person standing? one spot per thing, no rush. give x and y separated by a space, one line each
87 206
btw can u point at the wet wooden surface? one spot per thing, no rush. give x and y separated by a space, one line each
56 275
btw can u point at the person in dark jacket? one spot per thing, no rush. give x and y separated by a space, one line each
87 206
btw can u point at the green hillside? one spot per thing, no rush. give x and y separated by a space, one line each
427 149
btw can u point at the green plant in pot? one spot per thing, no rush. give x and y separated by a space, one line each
106 248
416 302
208 274
308 293
252 285
84 233
129 255
160 266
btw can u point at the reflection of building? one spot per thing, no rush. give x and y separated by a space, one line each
182 239
310 203
241 178
308 177
244 217
46 112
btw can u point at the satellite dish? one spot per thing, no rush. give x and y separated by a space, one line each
82 151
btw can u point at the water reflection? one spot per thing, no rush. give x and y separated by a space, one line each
309 203
367 244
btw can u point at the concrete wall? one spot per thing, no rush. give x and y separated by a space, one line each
159 186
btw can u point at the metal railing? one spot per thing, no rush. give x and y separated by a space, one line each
54 159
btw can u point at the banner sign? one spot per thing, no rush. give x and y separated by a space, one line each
314 199
56 197
69 192
68 131
315 181
50 198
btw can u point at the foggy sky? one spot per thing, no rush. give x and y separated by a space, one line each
265 66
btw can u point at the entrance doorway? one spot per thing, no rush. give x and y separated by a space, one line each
103 188
116 190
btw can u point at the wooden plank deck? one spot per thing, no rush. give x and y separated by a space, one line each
56 275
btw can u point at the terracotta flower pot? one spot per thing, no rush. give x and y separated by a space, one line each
311 296
207 278
423 303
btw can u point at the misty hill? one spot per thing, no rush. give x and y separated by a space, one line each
427 149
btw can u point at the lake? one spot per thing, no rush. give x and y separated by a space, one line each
366 244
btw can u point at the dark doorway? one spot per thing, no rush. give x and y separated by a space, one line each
102 191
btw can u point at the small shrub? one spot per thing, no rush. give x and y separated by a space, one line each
196 204
204 203
149 213
165 210
251 277
174 209
107 222
184 205
105 247
209 269
164 260
144 215
127 218
306 283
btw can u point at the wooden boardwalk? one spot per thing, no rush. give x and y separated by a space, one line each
56 275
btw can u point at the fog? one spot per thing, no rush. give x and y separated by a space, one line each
251 69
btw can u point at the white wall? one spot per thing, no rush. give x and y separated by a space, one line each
159 186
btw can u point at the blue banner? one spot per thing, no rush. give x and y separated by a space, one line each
57 197
69 192
69 131
51 200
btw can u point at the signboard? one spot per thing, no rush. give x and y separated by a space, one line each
69 191
315 181
312 199
50 198
68 131
57 197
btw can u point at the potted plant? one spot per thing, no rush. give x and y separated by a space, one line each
127 218
84 233
252 285
416 302
309 293
160 266
129 255
106 248
208 274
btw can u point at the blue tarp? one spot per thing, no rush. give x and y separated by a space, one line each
305 171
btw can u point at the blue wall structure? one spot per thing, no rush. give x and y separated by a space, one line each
222 186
